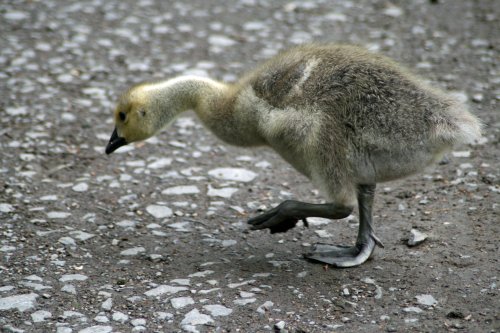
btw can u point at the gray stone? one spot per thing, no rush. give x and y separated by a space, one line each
164 289
40 316
194 317
73 277
218 310
426 300
416 237
97 329
180 302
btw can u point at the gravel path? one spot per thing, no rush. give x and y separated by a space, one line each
153 238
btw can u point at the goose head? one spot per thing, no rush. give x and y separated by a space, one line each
146 108
136 118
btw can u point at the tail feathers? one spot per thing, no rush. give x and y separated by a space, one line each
459 127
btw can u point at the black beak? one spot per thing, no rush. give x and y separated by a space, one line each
115 142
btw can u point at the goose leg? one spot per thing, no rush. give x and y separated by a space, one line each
286 215
345 256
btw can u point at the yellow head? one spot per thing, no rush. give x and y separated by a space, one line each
132 119
148 107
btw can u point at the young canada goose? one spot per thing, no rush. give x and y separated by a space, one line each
344 117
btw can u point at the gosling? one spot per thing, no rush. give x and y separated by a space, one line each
344 117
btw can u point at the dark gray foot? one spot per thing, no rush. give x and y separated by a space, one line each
345 256
286 215
342 256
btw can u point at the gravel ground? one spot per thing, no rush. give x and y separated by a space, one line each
153 238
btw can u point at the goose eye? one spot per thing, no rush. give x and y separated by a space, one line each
122 116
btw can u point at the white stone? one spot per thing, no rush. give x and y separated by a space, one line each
221 41
180 302
316 221
73 277
302 274
323 233
70 314
464 153
80 187
413 309
16 111
164 289
67 241
160 163
81 235
133 251
64 329
254 26
159 211
416 237
201 273
126 224
15 15
21 302
235 174
7 248
218 310
40 316
336 17
138 322
177 144
101 318
97 329
182 282
51 197
466 166
378 292
265 307
239 284
263 165
69 288
58 215
246 294
6 208
368 280
411 320
163 315
33 277
393 11
229 242
194 317
426 299
107 304
183 189
280 325
225 192
66 116
244 301
180 226
119 317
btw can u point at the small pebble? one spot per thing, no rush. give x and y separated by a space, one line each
416 237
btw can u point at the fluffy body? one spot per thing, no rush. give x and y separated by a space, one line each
340 115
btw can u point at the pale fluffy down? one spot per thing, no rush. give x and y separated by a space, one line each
463 128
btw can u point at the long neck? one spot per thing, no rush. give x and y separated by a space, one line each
214 103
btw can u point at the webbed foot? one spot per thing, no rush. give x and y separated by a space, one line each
286 215
343 256
278 219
